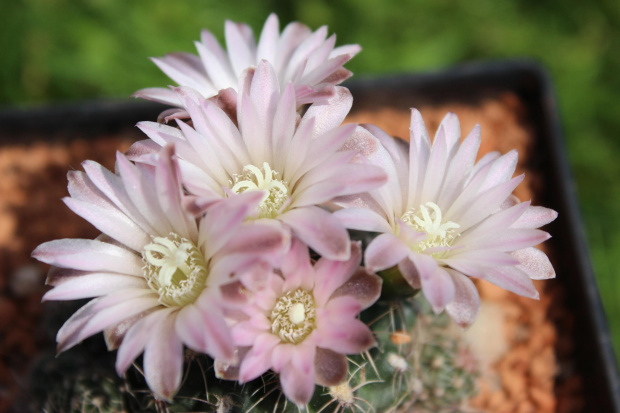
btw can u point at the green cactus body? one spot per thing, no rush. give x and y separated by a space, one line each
419 364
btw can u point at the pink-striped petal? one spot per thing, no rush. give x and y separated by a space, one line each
224 218
330 115
437 284
190 329
184 68
102 313
267 238
534 263
320 230
298 386
268 41
163 359
239 42
296 268
93 285
365 288
283 126
510 240
340 307
158 94
136 338
350 337
111 222
362 219
89 255
410 273
332 274
142 194
258 359
384 252
216 329
464 308
535 217
282 355
460 167
169 192
512 279
350 179
112 187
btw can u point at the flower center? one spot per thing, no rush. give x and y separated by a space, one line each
175 268
255 179
428 219
293 317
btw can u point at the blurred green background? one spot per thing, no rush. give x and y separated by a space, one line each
58 50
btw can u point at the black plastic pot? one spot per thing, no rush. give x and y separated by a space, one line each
592 358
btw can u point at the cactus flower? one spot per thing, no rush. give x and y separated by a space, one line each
156 272
444 218
303 321
305 58
296 162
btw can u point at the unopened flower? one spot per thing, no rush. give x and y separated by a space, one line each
303 322
297 163
443 217
155 271
305 58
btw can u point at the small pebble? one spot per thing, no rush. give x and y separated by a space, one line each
8 313
26 280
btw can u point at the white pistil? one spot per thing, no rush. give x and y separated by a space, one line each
175 269
438 233
297 313
253 179
293 316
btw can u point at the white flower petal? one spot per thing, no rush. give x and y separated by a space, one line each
136 338
362 219
268 41
464 308
512 279
384 252
331 115
535 217
184 68
534 263
93 285
163 359
103 312
111 222
320 230
89 255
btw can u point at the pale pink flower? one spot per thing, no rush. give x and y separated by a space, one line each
305 58
302 322
297 162
443 217
155 271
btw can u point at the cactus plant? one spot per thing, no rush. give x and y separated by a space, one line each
419 364
205 267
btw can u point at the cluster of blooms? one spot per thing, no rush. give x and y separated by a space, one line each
207 225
